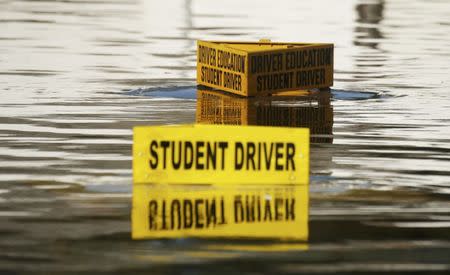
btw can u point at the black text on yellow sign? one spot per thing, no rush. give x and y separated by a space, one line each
182 211
251 69
219 154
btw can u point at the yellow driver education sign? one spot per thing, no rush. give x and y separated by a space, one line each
262 68
167 211
220 154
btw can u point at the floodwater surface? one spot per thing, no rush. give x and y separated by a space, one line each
76 76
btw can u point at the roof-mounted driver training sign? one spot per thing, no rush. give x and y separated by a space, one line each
220 154
167 211
261 68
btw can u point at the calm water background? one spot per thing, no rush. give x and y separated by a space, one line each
76 76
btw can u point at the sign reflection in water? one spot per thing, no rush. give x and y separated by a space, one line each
232 211
289 109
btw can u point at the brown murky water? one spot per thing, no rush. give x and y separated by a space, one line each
76 76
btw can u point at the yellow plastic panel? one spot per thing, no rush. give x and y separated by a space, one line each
220 154
252 69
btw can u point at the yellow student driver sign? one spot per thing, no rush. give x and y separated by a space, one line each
219 154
